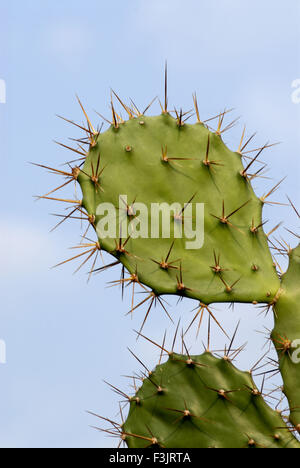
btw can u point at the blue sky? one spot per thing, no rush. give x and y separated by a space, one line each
63 336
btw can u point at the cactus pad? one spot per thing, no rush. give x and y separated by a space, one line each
147 164
286 334
156 160
202 402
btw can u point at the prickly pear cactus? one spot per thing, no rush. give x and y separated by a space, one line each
287 332
152 160
213 248
202 402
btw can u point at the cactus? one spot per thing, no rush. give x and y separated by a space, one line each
142 163
287 332
201 402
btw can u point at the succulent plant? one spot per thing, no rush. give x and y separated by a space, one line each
213 248
200 402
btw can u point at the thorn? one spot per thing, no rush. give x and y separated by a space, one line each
162 348
105 119
217 267
118 391
274 229
241 142
229 289
274 189
106 267
74 202
203 307
207 162
86 116
165 110
175 337
294 208
137 112
181 288
258 149
165 264
126 108
149 105
142 364
71 149
224 218
244 172
196 108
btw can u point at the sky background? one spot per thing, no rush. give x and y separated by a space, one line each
63 336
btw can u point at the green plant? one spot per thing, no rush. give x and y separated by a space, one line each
165 159
203 402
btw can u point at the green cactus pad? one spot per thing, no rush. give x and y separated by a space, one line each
203 402
287 333
197 401
234 263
